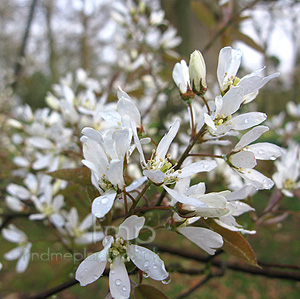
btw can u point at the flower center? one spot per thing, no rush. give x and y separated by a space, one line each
289 184
118 248
232 81
220 119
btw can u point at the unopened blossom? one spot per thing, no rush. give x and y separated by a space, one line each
79 231
287 176
243 157
229 63
117 251
181 78
22 251
197 69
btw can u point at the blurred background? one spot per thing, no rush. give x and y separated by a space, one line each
42 40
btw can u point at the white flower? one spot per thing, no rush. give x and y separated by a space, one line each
117 250
79 231
22 252
221 121
49 206
243 157
229 63
160 170
287 176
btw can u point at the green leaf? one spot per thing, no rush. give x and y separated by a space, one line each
234 243
145 291
81 175
203 14
237 35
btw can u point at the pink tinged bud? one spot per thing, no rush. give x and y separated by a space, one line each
197 70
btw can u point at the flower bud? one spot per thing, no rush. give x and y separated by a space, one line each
197 70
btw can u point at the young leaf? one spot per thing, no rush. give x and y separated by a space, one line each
81 175
145 291
234 243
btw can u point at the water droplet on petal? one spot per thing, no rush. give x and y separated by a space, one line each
145 274
206 166
154 266
124 288
167 280
95 276
112 271
86 269
246 120
146 264
272 158
118 282
104 200
261 151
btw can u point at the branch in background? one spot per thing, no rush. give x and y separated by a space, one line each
22 52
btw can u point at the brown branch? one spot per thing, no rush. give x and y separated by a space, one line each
21 54
232 265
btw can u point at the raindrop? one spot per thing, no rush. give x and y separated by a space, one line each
124 288
167 280
246 120
145 274
86 269
272 158
112 271
118 282
104 200
206 166
95 276
146 264
261 151
154 266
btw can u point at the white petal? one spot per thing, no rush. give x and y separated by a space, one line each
136 184
257 179
131 227
209 122
202 237
13 234
230 223
181 76
122 138
242 193
42 162
184 198
31 182
92 134
115 173
21 162
155 176
248 120
200 166
38 216
147 261
14 204
232 100
102 204
196 190
250 136
166 141
229 63
243 159
14 254
57 219
265 151
241 208
23 261
91 237
126 106
90 269
119 283
58 202
87 222
18 191
73 217
40 143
